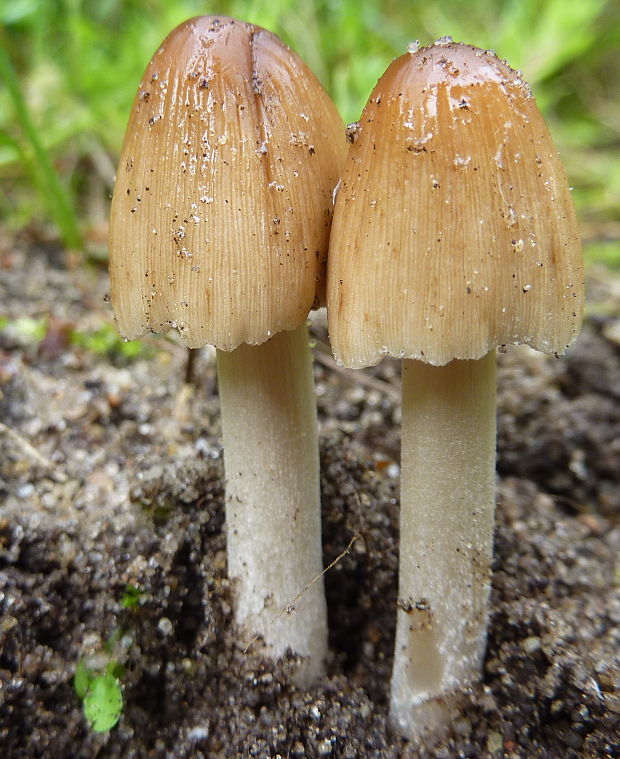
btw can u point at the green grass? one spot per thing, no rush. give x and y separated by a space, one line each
70 69
605 253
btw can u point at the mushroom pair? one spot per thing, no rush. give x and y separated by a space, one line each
219 226
454 232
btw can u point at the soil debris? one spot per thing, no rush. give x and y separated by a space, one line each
111 477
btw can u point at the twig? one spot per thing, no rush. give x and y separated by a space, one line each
290 606
357 377
31 453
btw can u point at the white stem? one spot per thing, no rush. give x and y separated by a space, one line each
446 539
273 512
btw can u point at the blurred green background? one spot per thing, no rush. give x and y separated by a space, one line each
69 70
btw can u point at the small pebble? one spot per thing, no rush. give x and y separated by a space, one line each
495 743
531 644
164 626
297 749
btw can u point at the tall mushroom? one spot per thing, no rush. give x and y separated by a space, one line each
219 227
454 233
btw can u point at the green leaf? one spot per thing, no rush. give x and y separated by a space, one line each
31 330
103 703
106 341
116 669
131 597
17 11
82 680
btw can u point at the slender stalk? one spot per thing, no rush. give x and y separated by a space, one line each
446 538
273 495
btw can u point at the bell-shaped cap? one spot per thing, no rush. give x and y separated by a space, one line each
223 198
454 230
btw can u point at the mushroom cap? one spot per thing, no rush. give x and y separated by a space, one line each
223 199
454 230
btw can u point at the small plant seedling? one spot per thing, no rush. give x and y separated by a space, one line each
131 597
106 342
97 679
103 703
101 695
25 329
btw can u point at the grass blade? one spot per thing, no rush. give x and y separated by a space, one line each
55 195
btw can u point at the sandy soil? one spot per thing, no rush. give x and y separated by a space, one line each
111 474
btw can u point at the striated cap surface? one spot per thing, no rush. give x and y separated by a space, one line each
454 230
223 199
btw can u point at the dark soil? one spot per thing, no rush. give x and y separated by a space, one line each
111 475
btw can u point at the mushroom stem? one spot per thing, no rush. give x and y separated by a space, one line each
446 539
273 514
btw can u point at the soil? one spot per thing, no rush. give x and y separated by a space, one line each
111 476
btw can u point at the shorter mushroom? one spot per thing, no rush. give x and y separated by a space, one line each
454 232
219 227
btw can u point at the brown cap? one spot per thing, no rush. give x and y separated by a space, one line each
223 199
454 230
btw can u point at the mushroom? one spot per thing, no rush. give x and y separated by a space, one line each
454 233
219 227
